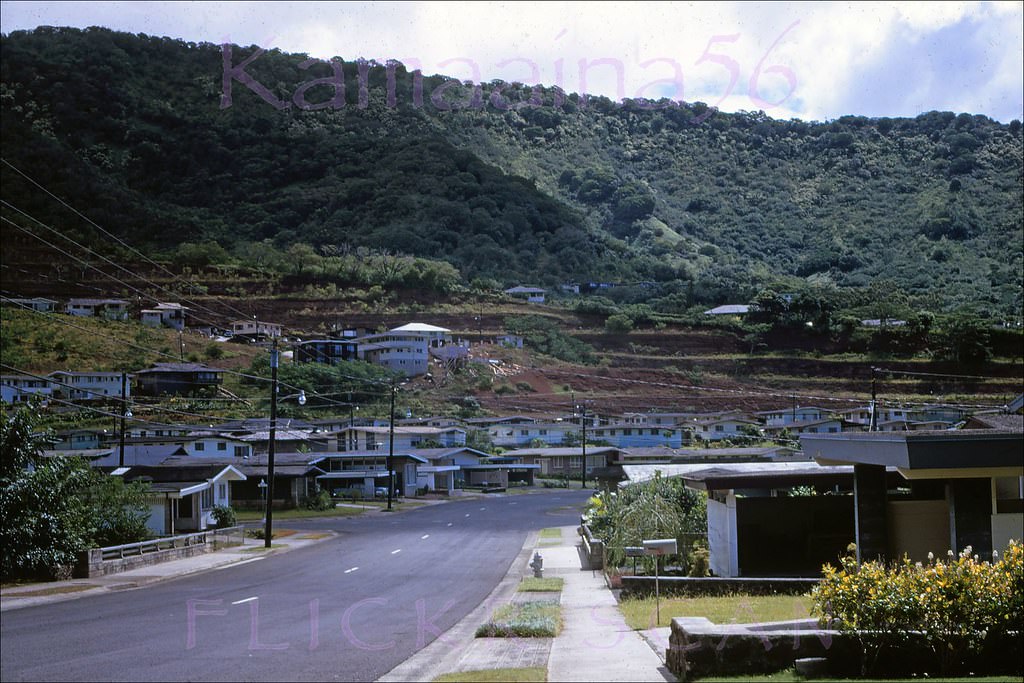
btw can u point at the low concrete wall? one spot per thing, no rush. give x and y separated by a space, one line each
639 586
593 547
699 648
91 562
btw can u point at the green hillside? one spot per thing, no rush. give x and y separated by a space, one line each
501 181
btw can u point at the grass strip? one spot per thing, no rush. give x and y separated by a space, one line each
58 590
297 513
523 620
551 532
532 584
533 674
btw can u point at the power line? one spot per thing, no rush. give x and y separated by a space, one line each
939 374
140 292
102 230
62 319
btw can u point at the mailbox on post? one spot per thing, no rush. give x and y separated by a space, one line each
660 546
635 551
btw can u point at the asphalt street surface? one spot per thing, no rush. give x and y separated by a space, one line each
347 609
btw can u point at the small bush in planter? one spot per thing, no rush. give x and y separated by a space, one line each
224 516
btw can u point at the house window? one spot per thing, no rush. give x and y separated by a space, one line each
719 428
207 498
221 446
241 451
575 462
627 432
524 432
222 492
543 432
200 446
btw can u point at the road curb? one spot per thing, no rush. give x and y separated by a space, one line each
444 654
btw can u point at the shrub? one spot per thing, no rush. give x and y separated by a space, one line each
956 606
224 516
321 500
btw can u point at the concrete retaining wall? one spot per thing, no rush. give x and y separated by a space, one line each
592 547
91 562
639 586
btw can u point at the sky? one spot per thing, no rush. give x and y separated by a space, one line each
812 61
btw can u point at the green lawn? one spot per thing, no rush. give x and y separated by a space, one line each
551 532
296 513
790 675
732 609
533 674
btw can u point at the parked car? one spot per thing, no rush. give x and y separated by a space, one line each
380 492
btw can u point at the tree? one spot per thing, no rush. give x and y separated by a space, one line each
53 508
119 510
965 339
44 522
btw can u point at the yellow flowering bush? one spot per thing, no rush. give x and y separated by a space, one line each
954 606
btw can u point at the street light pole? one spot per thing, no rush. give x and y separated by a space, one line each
391 447
268 529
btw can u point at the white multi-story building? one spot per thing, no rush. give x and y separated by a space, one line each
405 349
21 388
88 385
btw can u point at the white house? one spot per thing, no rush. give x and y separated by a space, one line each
182 498
379 438
165 315
533 295
787 416
721 428
38 304
111 309
255 328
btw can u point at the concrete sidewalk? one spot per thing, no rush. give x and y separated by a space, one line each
595 643
27 595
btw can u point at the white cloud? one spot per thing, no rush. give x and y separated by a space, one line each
862 58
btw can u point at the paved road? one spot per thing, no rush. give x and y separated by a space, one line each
348 609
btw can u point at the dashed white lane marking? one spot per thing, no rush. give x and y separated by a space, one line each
239 602
483 508
349 571
395 552
467 514
449 523
424 537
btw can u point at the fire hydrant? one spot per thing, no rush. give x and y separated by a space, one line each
538 566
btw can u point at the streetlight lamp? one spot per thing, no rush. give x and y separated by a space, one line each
263 495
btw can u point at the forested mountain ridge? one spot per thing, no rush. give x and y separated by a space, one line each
502 180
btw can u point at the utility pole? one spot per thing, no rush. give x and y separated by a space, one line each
583 469
124 411
873 425
268 529
391 446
